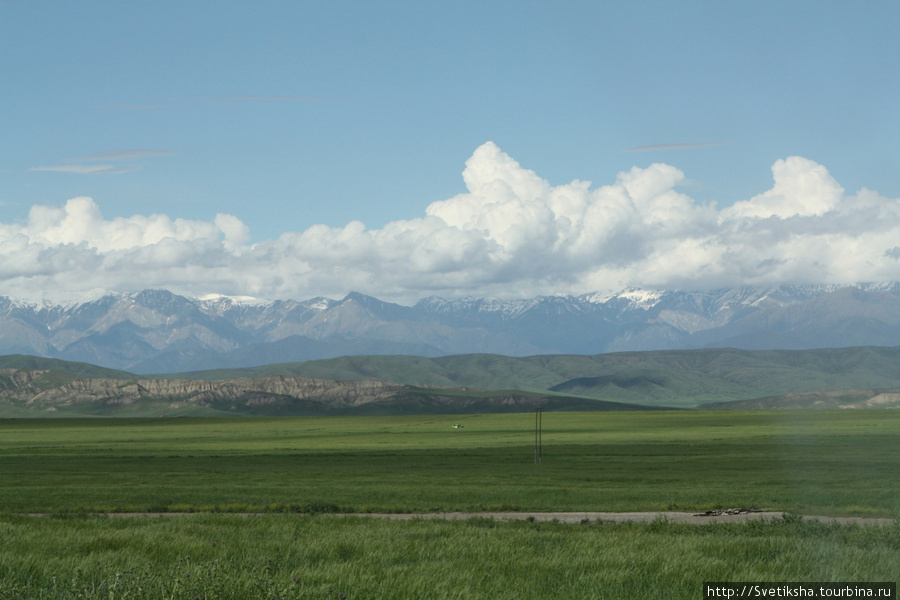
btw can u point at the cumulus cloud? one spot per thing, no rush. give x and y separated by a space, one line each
802 188
510 234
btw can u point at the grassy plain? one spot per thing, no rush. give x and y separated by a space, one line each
812 462
230 557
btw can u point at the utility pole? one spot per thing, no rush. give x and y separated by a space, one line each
538 426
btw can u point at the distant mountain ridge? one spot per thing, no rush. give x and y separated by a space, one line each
675 378
37 387
155 331
846 378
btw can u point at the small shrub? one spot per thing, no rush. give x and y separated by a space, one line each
791 518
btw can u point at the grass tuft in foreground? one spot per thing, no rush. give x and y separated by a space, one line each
226 557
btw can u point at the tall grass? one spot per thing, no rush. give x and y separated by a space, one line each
227 557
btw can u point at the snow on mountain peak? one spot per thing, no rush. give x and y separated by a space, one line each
321 303
60 299
641 298
242 300
636 297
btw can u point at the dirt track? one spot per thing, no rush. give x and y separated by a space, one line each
561 517
619 517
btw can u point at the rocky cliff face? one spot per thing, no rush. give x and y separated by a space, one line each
46 392
50 390
26 390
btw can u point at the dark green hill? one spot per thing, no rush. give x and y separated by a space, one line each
671 377
676 378
81 369
819 400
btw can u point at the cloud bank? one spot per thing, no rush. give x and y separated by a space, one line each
511 234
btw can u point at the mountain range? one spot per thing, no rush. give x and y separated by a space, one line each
156 331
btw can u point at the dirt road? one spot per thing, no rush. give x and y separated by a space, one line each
561 517
618 517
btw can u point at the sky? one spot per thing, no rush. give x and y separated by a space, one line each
408 149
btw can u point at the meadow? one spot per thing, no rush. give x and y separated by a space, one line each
286 471
813 462
224 557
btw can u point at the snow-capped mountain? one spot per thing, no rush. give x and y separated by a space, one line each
158 331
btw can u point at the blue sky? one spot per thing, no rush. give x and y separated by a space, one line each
287 116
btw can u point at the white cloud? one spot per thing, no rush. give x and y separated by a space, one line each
80 222
802 187
104 169
510 234
86 169
114 155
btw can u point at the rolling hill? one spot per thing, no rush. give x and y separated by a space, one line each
60 391
682 378
860 377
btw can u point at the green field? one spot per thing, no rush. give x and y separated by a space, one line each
809 462
813 462
225 557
